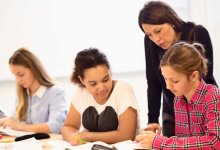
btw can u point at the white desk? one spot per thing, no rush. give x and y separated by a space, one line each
45 146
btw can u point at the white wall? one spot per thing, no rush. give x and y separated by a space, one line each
56 30
205 12
136 79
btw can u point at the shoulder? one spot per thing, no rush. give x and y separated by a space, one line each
121 84
211 93
79 90
80 93
55 88
200 28
212 89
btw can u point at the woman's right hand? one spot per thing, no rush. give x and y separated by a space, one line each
77 139
3 120
155 127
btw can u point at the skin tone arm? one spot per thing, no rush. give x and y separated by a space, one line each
8 121
71 126
127 128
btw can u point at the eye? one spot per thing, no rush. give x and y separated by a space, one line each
106 80
21 75
175 81
157 31
92 84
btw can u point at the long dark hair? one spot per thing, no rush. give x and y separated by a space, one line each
158 12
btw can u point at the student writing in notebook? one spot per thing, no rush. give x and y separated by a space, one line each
103 108
196 103
41 105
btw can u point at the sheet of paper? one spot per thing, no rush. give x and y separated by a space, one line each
29 144
11 132
128 145
62 144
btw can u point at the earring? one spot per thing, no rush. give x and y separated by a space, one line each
173 26
193 80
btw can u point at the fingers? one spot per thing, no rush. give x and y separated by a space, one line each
150 128
155 127
159 130
78 140
143 139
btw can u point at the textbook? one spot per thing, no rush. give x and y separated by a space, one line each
12 132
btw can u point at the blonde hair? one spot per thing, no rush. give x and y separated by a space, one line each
25 58
186 58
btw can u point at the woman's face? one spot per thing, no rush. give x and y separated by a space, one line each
179 84
98 82
163 35
24 76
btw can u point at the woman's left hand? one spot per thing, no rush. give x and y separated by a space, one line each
146 139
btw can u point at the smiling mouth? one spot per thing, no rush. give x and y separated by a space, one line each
102 94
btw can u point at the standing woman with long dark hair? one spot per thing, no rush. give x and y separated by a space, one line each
163 27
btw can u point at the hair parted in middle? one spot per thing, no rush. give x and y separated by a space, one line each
185 58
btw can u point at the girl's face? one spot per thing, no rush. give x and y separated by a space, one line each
98 82
179 84
24 76
163 35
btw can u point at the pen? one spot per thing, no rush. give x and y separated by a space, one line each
67 149
82 140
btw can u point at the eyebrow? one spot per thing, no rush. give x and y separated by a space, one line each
102 79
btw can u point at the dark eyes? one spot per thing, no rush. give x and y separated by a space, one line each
20 75
155 32
104 81
174 81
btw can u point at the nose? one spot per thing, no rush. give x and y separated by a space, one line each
18 80
169 85
101 87
156 39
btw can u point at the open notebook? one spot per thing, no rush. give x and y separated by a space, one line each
11 132
61 144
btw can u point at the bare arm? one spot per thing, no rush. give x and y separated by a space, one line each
71 125
8 121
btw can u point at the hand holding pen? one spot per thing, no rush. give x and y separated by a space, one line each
78 139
